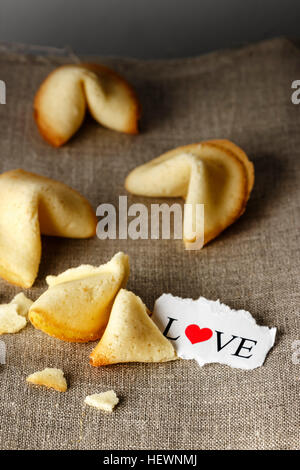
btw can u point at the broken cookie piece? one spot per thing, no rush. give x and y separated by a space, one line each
50 378
10 320
23 304
105 401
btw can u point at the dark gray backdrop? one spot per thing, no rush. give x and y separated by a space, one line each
146 28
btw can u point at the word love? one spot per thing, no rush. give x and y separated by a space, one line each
210 331
196 335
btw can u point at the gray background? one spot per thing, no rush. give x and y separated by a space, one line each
146 28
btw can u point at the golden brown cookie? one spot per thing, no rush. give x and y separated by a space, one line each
215 173
62 99
31 205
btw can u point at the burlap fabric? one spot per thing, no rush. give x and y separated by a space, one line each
243 95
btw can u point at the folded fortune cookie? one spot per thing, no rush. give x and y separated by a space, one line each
31 205
214 173
77 304
61 101
131 335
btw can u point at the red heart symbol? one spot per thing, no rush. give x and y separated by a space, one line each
196 334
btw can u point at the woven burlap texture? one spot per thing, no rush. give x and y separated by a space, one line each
243 95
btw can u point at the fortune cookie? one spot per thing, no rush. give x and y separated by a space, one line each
215 173
61 101
31 205
77 304
131 335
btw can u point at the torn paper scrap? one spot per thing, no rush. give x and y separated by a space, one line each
210 331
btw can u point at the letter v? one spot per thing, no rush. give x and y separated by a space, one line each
219 345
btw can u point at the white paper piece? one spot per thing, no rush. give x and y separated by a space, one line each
210 331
